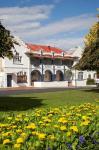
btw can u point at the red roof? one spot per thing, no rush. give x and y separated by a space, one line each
44 48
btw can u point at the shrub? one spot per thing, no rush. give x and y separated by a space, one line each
90 81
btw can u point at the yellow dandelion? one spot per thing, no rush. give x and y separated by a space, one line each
6 141
17 145
19 131
34 133
23 134
41 136
20 140
68 134
51 137
63 128
74 128
17 119
85 123
31 126
62 120
14 126
9 118
56 126
85 117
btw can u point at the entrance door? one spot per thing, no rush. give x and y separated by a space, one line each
9 80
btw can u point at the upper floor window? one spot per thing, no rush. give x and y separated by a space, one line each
57 62
80 76
68 63
17 59
35 62
47 61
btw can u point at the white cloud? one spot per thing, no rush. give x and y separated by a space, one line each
13 16
76 23
26 22
64 43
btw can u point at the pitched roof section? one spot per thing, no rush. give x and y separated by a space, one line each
44 48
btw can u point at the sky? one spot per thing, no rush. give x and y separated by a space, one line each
59 23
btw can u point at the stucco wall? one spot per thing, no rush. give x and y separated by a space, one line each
51 84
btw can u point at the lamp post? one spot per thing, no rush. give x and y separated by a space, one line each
75 79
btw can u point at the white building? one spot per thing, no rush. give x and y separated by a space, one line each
42 66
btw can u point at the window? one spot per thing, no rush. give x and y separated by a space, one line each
21 77
97 75
35 62
94 75
80 76
17 59
89 76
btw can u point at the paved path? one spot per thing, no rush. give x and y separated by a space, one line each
27 90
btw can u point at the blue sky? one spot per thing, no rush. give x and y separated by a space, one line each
60 23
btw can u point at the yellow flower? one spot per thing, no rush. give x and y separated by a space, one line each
26 119
68 134
50 115
31 126
85 123
37 114
63 128
34 133
17 145
74 128
6 134
9 118
78 115
41 136
40 122
14 126
84 117
17 119
62 120
19 131
44 117
47 120
23 134
20 140
6 141
56 126
19 115
51 137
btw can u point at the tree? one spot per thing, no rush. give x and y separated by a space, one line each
90 56
6 42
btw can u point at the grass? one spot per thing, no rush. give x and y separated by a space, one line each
26 102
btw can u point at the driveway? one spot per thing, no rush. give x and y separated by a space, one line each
26 90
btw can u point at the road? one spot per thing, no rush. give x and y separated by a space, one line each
17 91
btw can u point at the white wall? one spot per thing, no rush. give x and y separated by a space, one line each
51 84
14 68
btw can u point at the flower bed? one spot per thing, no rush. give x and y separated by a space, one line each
64 128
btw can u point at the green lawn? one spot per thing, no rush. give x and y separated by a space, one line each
26 102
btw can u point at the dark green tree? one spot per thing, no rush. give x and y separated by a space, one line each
6 42
90 56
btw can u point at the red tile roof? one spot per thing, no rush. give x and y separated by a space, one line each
44 48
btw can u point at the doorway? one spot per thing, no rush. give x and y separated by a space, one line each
9 80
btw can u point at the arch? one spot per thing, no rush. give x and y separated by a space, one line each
35 76
48 75
59 75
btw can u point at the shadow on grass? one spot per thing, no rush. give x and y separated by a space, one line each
95 90
19 103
